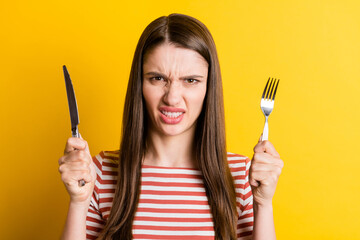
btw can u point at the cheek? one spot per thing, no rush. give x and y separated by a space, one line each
151 97
196 99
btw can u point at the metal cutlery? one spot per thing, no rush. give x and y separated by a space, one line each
267 104
74 116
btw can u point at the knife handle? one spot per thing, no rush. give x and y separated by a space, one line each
75 133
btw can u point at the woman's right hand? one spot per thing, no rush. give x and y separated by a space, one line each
76 165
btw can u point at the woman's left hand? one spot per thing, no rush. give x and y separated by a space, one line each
265 170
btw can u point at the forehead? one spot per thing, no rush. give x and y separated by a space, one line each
168 57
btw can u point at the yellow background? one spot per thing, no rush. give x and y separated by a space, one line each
312 46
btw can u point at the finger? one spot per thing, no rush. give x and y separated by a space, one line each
265 178
74 143
266 146
74 166
76 156
73 177
261 167
266 158
256 178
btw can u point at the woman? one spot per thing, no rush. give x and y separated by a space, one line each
172 177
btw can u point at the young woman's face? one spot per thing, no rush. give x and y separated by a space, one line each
174 88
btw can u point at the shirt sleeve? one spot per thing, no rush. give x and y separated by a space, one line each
94 219
246 218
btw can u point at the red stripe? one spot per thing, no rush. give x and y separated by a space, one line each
91 237
173 184
97 163
176 193
90 219
163 219
112 165
107 191
157 201
244 234
104 155
147 236
171 175
169 210
172 228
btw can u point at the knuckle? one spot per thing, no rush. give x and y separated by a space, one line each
254 166
278 171
61 160
281 163
274 177
84 165
61 168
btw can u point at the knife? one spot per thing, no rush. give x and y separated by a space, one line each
74 116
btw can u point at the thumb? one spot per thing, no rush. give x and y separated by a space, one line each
86 145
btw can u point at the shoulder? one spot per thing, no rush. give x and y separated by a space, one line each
236 160
107 161
239 165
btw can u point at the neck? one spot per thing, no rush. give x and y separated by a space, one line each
170 151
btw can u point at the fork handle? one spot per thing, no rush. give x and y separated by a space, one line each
265 134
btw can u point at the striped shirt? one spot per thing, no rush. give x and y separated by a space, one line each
173 202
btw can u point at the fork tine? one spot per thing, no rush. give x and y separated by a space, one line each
272 89
268 90
273 98
265 88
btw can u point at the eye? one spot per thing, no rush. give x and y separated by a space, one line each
191 81
157 78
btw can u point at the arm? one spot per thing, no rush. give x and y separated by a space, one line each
77 164
263 223
265 170
75 226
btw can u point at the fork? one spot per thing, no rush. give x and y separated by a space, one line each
267 104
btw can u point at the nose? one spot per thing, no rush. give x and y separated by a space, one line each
173 93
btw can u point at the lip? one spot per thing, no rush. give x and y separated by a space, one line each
171 109
169 120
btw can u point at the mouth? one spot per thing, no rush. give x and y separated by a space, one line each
171 115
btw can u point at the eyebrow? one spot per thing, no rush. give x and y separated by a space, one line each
164 76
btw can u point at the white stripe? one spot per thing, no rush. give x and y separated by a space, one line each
177 189
93 215
247 212
173 215
94 204
237 165
94 224
244 229
174 224
108 186
170 171
176 180
236 158
173 206
105 204
174 233
92 233
108 177
108 154
107 195
245 220
173 197
239 173
239 181
110 169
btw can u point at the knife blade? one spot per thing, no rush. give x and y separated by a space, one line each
74 115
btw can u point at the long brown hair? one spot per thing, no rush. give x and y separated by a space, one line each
210 146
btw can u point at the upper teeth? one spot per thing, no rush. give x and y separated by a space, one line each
172 114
